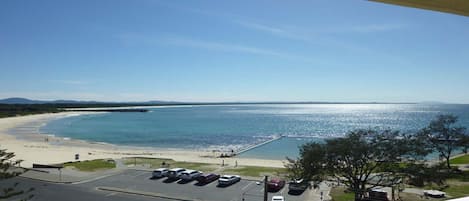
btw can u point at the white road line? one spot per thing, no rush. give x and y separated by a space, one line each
262 190
111 194
94 179
141 174
281 192
244 188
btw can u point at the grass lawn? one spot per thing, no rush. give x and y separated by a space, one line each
170 163
254 171
460 160
93 165
339 194
457 188
462 176
153 162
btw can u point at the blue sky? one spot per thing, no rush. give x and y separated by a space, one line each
329 50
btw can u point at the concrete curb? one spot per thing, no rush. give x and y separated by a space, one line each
142 193
49 181
75 181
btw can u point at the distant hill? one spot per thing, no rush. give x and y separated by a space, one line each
29 101
16 100
157 102
20 101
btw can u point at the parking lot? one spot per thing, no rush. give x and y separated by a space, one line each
132 181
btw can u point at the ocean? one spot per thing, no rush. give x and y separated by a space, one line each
227 127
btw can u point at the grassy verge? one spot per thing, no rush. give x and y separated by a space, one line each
93 165
462 176
460 160
254 171
170 163
457 188
340 194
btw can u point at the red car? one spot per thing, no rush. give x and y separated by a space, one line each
275 184
207 178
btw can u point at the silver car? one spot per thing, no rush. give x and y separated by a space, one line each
160 172
175 173
190 175
226 180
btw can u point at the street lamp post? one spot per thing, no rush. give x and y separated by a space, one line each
265 188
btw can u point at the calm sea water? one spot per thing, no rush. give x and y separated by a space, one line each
236 126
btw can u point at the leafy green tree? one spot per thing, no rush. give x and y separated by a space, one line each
357 159
8 170
464 143
421 174
443 136
310 165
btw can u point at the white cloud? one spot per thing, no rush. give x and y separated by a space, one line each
298 33
139 39
222 46
373 28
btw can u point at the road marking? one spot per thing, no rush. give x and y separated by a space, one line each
244 188
96 178
211 183
262 190
141 174
112 194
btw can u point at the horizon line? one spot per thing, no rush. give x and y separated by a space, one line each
75 101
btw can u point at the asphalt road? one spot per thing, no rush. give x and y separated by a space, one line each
127 185
44 191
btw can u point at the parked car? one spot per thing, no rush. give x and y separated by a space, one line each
208 178
175 173
298 185
278 198
226 180
160 172
275 184
190 175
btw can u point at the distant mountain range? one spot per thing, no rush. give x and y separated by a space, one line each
29 101
17 100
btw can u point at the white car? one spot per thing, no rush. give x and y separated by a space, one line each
160 172
228 179
278 198
175 173
190 175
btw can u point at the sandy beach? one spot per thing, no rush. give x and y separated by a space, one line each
33 147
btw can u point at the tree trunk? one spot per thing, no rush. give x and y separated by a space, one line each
447 162
357 196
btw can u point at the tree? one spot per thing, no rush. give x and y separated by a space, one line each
443 136
310 165
464 143
357 159
8 170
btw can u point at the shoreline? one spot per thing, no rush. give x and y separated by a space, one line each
31 146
